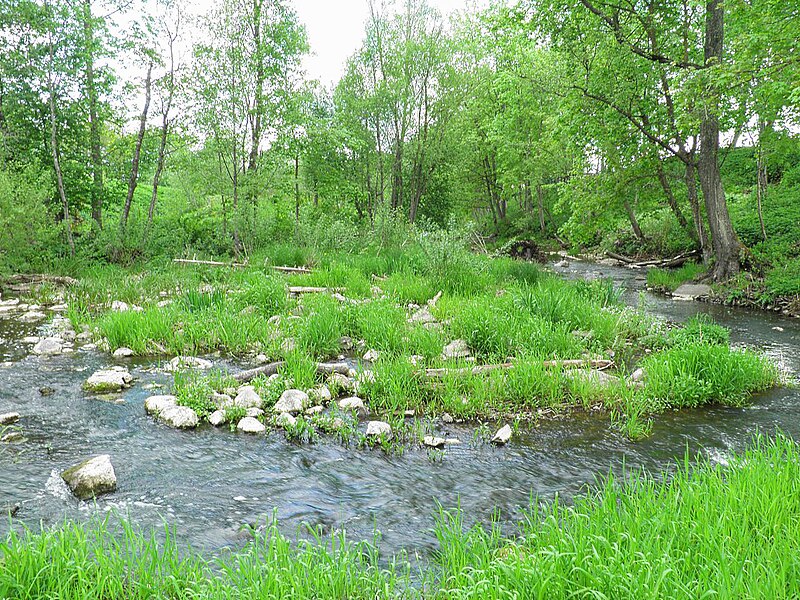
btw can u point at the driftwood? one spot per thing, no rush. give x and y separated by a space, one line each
208 263
313 290
302 270
661 263
481 369
273 368
35 278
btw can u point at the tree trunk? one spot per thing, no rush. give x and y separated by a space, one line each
637 231
725 244
137 151
672 201
94 120
296 194
54 150
763 176
540 202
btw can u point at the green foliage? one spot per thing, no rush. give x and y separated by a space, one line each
700 329
671 279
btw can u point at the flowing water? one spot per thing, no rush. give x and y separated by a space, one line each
208 483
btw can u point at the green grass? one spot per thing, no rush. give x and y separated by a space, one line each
670 280
700 530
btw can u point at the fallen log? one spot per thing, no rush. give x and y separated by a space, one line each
482 369
661 263
313 290
34 278
273 368
208 263
302 270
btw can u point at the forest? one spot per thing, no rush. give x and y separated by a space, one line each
507 310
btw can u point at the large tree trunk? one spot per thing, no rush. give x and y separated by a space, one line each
700 230
763 176
137 151
94 119
723 238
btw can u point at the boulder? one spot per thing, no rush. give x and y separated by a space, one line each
220 400
692 291
254 412
638 375
378 429
179 417
247 397
341 382
320 394
346 343
188 362
455 349
292 402
123 352
285 420
422 316
250 425
109 380
9 418
598 378
434 442
353 403
154 405
217 418
91 478
12 437
49 346
315 410
120 306
32 316
503 435
371 355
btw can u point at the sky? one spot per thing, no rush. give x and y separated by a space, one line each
336 29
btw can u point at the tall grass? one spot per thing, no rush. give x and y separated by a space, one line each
671 279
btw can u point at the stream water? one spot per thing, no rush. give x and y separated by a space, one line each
208 483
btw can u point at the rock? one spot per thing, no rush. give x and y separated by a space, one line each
123 352
341 382
31 339
108 380
91 478
9 418
778 329
285 420
502 436
378 428
434 442
32 316
692 291
292 401
288 345
353 403
120 306
220 400
320 394
446 418
410 413
12 437
179 417
261 359
247 397
9 509
217 418
254 412
84 336
638 375
49 346
315 410
599 378
455 349
346 343
47 391
154 405
371 355
416 360
251 425
188 362
422 316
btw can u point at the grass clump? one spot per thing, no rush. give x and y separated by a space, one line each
669 280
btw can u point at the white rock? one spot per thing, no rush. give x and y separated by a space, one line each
217 418
315 410
261 359
188 362
123 352
120 306
154 405
91 478
433 441
9 418
292 401
31 339
423 316
320 394
456 349
180 417
251 425
691 291
285 420
32 316
599 378
49 346
247 397
371 355
341 382
254 412
378 428
503 435
109 380
220 400
638 375
353 403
